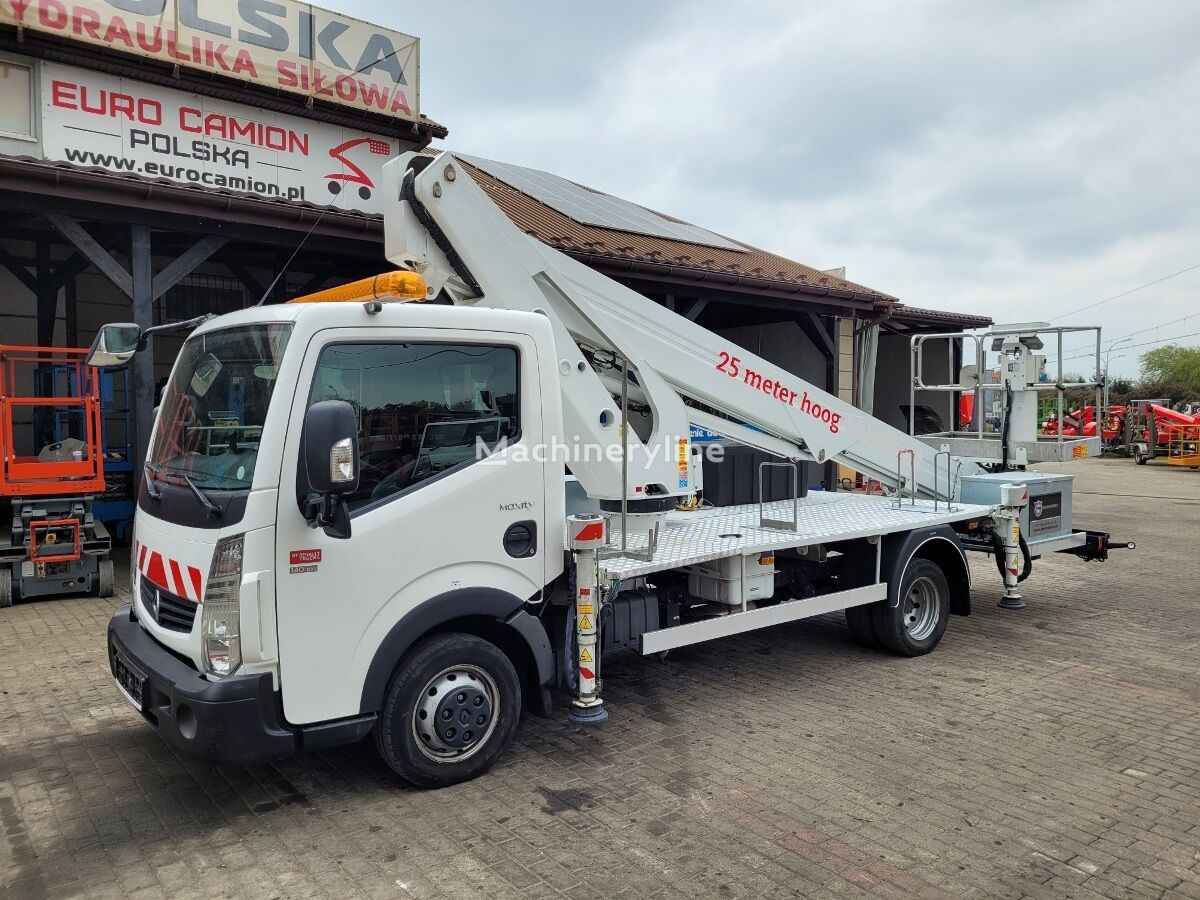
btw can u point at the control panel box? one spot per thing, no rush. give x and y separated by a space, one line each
1047 516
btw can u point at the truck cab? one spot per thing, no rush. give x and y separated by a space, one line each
272 607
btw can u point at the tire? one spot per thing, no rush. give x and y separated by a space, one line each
1141 460
106 578
428 687
916 625
6 588
861 626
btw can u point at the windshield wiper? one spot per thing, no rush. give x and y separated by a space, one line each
214 511
154 492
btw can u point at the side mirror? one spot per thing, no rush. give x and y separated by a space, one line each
329 453
114 345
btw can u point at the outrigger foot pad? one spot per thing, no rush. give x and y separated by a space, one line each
587 715
1011 603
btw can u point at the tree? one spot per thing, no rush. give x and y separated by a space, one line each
1171 371
1120 389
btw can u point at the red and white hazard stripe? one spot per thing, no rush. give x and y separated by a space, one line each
169 574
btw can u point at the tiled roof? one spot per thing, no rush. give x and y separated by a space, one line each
903 313
563 233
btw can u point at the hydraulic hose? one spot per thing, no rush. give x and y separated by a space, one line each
998 548
1004 427
569 672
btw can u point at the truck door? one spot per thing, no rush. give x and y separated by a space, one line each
450 497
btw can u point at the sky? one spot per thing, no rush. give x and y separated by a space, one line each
1018 159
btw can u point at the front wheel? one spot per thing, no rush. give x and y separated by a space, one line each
916 624
450 712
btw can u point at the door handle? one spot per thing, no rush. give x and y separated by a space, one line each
520 540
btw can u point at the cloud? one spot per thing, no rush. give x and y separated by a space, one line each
1018 159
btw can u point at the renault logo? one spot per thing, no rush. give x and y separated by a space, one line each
154 600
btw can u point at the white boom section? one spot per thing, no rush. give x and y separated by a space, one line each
463 243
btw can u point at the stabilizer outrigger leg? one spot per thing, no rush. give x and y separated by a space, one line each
1007 519
587 537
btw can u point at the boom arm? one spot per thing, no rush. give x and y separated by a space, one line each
444 225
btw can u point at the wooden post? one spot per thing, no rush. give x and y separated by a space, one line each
142 283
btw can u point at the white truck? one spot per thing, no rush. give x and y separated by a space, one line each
311 579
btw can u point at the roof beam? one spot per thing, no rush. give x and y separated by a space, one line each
256 288
22 274
315 282
73 265
87 245
184 264
815 329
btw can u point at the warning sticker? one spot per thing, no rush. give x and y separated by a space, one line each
585 609
585 655
585 623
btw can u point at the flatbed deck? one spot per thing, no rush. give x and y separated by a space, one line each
688 538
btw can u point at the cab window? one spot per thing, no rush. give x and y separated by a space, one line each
423 409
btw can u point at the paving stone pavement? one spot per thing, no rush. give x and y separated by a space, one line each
1048 753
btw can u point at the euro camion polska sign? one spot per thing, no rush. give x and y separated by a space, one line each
102 121
279 44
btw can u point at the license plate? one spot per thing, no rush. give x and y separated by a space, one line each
131 682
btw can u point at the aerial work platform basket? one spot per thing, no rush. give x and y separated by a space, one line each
51 470
1183 446
73 465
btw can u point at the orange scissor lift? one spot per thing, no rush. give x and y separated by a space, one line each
51 544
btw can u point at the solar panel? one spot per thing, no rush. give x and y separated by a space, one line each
594 208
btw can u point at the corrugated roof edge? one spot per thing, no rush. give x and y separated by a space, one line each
299 214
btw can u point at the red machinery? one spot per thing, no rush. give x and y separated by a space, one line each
1085 417
51 544
1151 423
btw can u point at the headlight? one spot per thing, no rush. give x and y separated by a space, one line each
220 620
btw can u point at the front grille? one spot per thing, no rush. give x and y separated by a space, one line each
172 612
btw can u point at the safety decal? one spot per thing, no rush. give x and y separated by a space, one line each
585 655
585 609
585 623
169 574
592 531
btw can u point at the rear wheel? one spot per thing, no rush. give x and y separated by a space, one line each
916 624
450 712
6 588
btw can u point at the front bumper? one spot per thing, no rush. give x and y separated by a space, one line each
234 720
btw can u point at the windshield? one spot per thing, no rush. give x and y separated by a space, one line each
213 408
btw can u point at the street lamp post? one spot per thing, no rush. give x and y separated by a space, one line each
1107 359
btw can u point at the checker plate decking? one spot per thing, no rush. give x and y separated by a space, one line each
687 538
